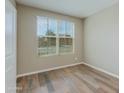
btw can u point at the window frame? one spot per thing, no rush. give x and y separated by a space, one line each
57 37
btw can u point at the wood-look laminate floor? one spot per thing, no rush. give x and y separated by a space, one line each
76 79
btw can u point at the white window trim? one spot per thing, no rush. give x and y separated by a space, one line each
57 39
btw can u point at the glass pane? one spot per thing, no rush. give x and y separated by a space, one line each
62 28
47 45
42 26
69 29
52 27
42 45
51 45
65 45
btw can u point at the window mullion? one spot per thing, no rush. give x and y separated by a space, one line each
47 37
57 39
73 38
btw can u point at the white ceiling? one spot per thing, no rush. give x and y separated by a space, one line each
77 8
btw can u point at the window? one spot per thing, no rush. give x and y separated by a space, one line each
54 36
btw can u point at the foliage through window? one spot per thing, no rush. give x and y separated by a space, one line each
54 36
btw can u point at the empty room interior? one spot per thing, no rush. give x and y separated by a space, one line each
62 46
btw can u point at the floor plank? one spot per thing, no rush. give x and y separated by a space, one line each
76 79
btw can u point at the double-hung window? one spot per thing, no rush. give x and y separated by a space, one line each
54 36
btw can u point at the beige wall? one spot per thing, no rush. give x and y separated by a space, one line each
101 34
28 61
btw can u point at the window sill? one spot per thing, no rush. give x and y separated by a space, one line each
62 54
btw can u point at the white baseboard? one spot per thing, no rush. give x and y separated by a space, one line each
74 64
101 70
50 69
